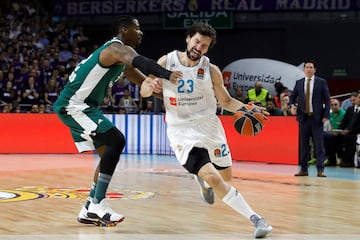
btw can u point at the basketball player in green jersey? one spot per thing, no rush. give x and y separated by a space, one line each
195 132
78 108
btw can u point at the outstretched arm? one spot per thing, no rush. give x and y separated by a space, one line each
122 54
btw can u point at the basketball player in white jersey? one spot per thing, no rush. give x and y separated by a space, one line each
195 132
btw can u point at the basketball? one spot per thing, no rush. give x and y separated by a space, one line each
249 121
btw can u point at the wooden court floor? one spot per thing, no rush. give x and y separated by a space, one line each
41 195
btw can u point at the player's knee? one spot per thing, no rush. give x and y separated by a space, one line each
120 140
226 174
113 139
213 179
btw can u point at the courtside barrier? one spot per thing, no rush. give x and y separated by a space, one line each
146 134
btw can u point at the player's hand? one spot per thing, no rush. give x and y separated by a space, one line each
150 85
252 108
175 76
262 110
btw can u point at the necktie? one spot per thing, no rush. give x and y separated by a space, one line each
307 96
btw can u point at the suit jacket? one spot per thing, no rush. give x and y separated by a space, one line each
320 99
355 124
346 122
351 121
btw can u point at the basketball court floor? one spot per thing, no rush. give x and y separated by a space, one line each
41 195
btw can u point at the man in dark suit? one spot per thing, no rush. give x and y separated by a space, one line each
310 102
351 126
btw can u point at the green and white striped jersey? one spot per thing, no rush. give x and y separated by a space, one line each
88 83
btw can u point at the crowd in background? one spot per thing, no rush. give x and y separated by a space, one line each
38 52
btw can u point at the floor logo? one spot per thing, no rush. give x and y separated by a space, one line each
31 193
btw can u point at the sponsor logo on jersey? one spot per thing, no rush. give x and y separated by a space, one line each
172 101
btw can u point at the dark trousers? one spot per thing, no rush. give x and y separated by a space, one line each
333 146
307 129
349 142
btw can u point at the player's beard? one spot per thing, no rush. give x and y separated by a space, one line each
191 57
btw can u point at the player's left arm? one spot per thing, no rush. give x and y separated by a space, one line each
221 93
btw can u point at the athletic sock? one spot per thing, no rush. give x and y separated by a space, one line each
101 187
91 195
236 201
206 185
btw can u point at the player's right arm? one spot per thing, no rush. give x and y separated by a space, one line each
117 54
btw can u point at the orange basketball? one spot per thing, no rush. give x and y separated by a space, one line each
249 121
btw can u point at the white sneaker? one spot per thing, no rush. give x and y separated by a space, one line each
207 194
104 213
83 218
261 228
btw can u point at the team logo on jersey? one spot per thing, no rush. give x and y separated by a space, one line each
217 152
172 101
200 73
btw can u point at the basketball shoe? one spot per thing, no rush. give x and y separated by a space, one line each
206 193
102 212
261 228
83 218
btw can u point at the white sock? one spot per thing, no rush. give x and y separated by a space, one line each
206 184
236 201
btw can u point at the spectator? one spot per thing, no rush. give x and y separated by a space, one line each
52 92
6 108
279 89
272 109
349 101
42 108
119 87
127 103
9 94
108 104
258 95
148 106
65 54
332 138
30 94
135 92
239 94
349 136
34 108
3 80
285 107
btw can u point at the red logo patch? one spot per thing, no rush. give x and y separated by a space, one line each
172 101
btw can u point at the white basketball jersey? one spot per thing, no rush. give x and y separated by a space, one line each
193 96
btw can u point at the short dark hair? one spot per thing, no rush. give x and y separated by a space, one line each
310 61
120 22
204 29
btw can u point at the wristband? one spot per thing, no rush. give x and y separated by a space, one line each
149 66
